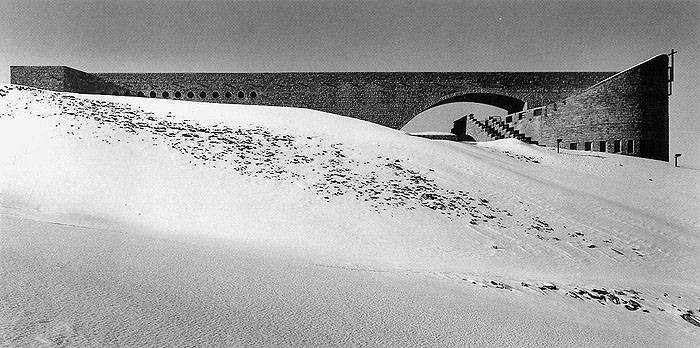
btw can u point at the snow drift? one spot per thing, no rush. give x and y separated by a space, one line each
231 224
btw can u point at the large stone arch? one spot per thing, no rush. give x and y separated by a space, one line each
508 103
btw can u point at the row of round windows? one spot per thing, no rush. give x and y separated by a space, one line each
190 94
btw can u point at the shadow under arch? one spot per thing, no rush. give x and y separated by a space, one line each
505 102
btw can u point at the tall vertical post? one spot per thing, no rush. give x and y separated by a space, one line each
670 72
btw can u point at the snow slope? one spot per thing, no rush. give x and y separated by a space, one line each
134 221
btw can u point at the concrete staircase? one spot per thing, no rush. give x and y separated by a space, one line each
492 132
498 129
470 129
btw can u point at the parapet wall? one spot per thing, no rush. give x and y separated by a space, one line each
45 77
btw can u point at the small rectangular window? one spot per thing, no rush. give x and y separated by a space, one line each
573 146
630 146
602 146
587 146
520 116
537 112
616 146
509 119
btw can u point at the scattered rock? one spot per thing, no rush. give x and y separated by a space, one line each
633 305
547 286
691 318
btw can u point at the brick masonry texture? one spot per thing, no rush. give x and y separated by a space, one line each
392 99
630 108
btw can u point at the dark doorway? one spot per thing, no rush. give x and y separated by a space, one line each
460 129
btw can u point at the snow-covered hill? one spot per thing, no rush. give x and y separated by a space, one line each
133 221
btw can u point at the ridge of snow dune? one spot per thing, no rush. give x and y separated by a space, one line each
493 224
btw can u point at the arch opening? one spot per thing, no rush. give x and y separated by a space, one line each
504 102
450 120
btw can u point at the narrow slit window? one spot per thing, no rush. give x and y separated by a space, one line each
630 146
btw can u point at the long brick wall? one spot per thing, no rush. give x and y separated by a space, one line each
388 98
574 106
45 77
